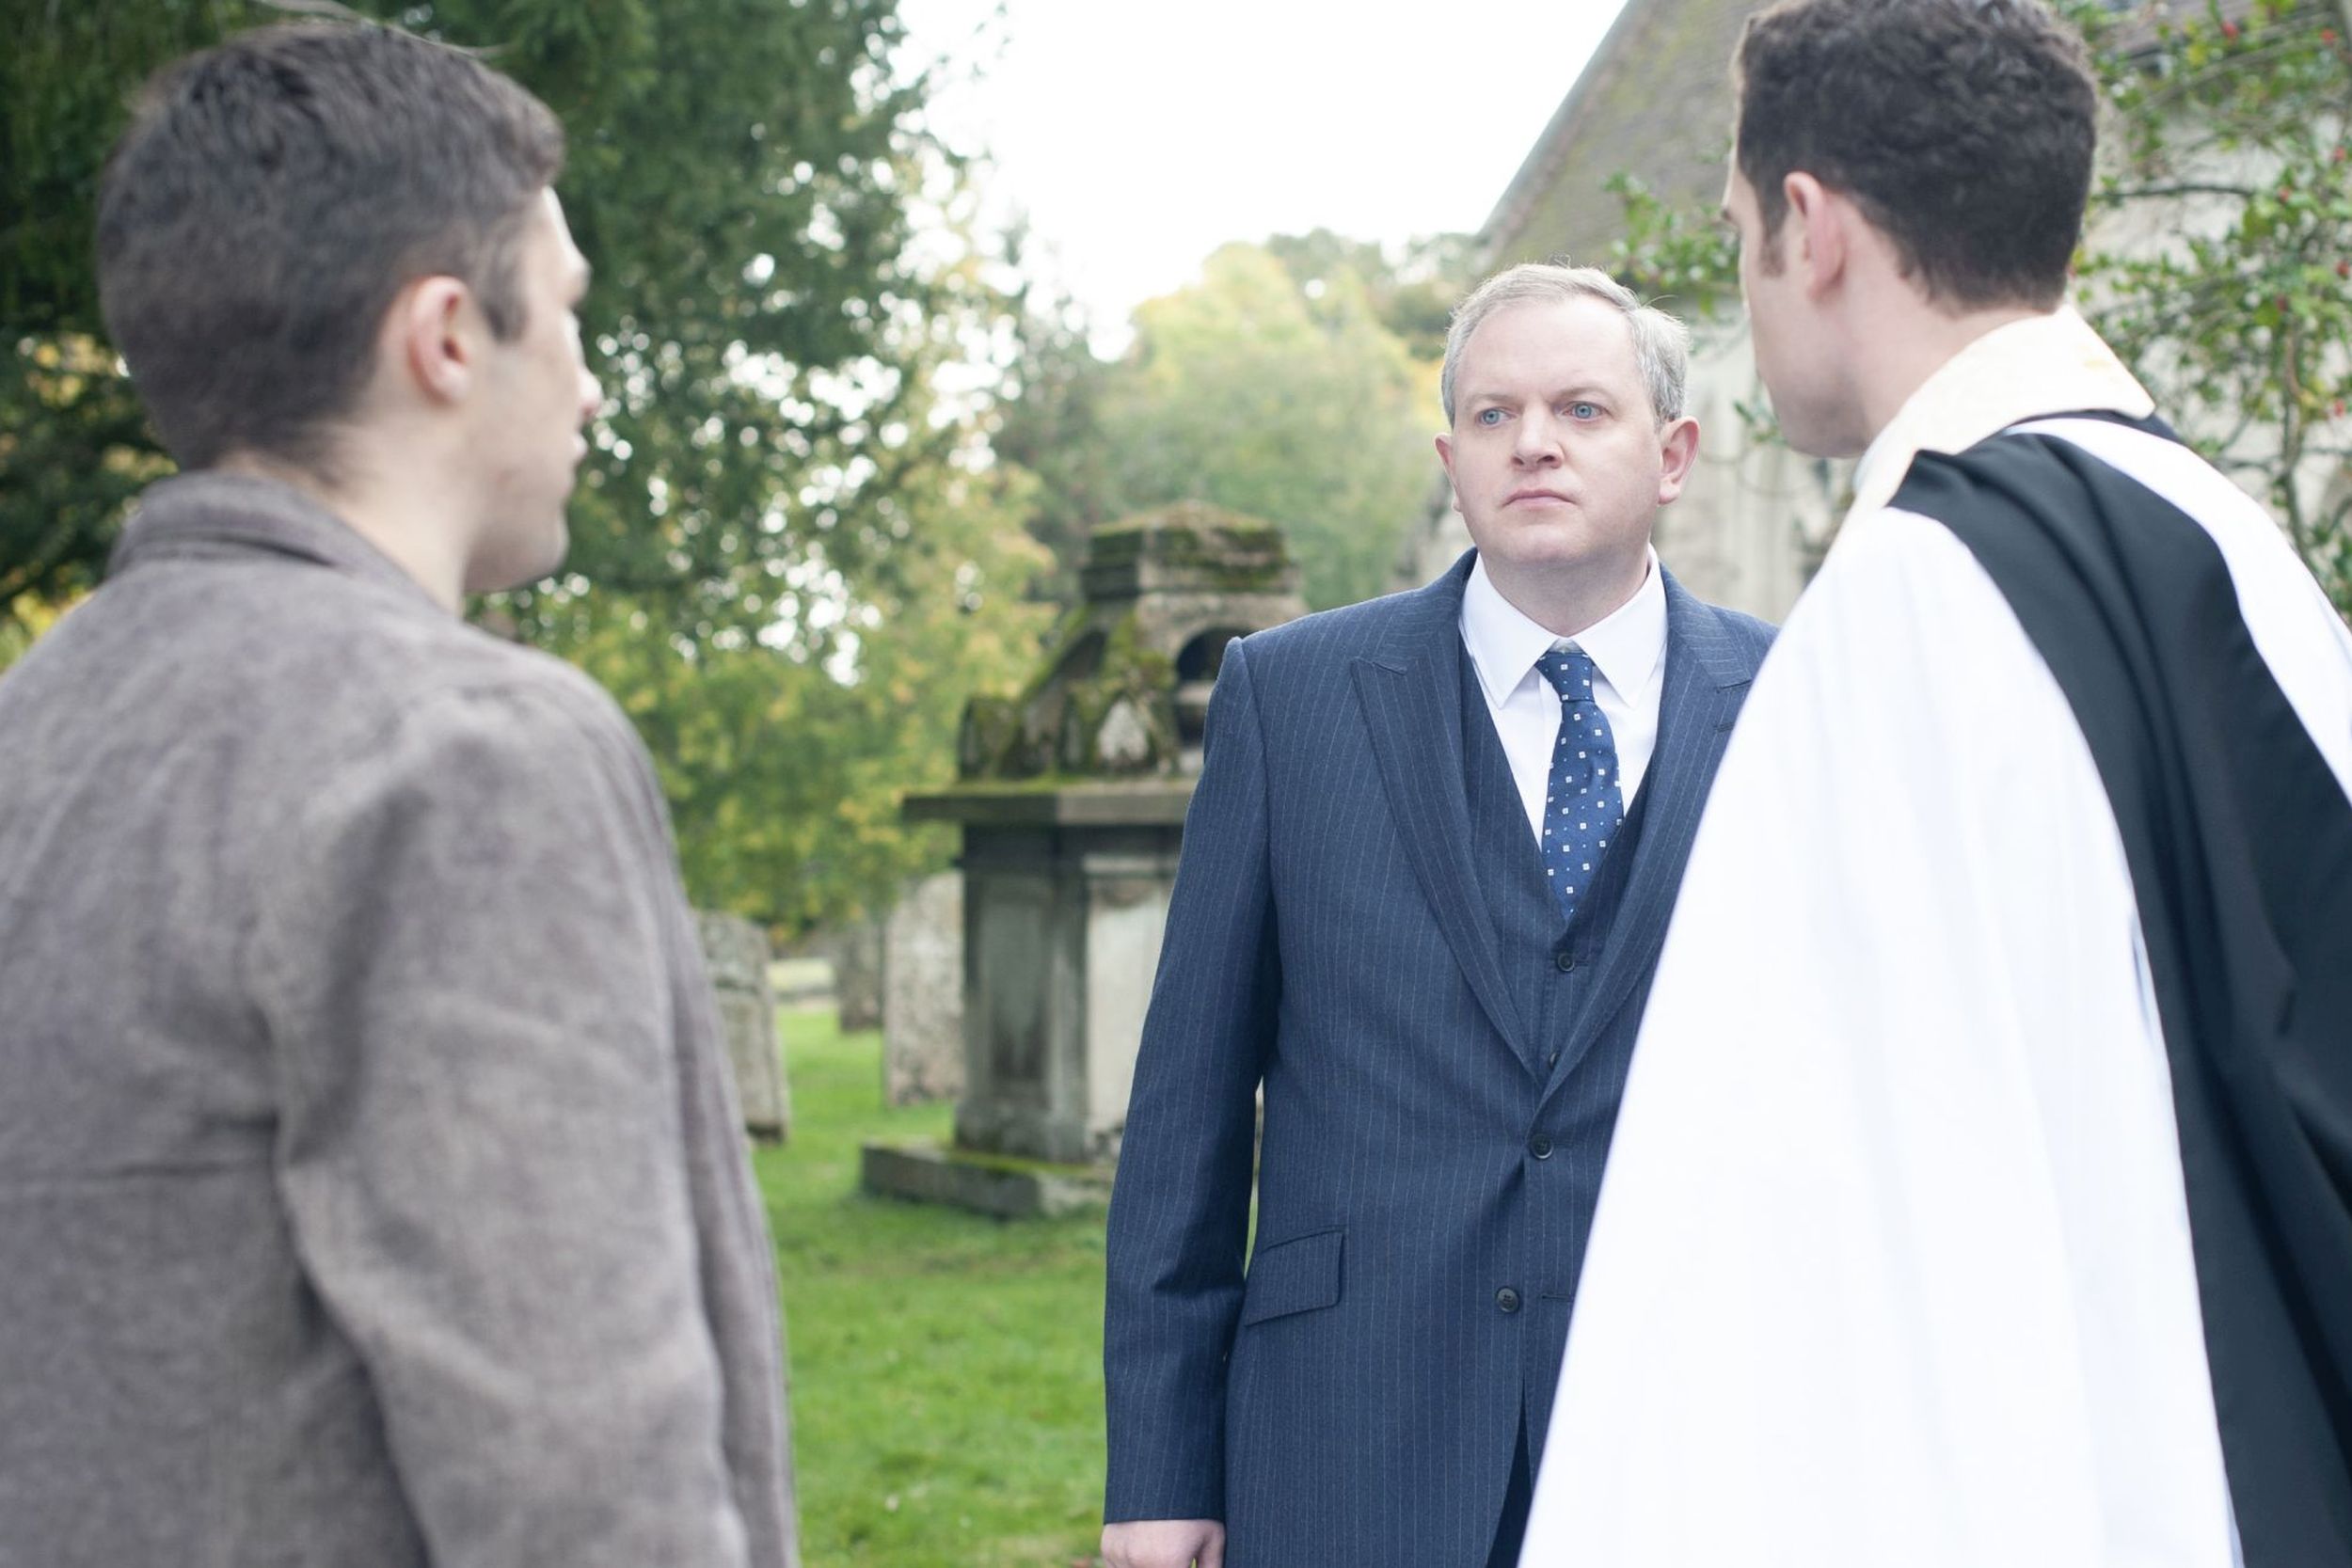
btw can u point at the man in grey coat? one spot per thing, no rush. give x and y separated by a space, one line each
371 1186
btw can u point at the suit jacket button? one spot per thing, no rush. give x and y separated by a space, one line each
1507 1299
1566 960
1540 1146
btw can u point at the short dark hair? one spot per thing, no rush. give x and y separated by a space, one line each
1964 129
271 198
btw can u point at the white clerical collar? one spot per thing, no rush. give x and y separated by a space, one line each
2053 364
1626 645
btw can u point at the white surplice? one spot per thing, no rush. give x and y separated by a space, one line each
1892 1266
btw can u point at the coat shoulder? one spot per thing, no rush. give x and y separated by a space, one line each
322 667
1330 639
1741 638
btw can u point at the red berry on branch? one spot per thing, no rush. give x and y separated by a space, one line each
2344 269
2229 29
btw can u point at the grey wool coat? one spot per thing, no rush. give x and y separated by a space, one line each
372 1192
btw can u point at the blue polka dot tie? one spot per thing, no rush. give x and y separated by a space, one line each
1582 803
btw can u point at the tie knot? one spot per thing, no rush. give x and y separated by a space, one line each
1570 671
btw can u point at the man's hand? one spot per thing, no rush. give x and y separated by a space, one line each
1164 1544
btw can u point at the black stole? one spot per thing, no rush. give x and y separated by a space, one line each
2239 841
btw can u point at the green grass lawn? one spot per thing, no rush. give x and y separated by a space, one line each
947 1369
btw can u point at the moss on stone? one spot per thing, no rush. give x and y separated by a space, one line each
1102 656
1012 1165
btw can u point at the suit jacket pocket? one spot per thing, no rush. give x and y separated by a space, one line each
1300 1274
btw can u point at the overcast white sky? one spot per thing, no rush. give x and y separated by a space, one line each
1139 135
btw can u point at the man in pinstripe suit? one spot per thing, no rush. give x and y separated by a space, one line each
1425 877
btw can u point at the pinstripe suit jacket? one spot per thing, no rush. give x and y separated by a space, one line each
1357 1398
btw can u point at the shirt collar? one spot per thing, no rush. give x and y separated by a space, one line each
1626 645
2053 364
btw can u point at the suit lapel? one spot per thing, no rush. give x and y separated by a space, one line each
1706 682
1410 694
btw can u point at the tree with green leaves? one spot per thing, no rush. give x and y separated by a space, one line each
783 771
1049 424
1412 292
1295 381
2222 243
1291 403
742 174
774 466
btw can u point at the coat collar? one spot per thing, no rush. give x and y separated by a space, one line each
213 514
1410 694
1427 625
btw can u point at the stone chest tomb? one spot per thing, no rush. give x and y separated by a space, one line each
1071 799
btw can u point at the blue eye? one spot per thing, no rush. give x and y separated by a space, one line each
1490 416
1584 411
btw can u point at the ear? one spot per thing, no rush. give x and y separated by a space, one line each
1819 222
429 335
1678 453
1445 457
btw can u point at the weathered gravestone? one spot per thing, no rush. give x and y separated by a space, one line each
1072 800
736 953
923 994
856 951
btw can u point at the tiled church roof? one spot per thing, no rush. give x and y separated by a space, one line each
1654 102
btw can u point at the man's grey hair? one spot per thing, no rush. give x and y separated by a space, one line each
1662 345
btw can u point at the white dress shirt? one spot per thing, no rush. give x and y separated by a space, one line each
1627 647
1893 1261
